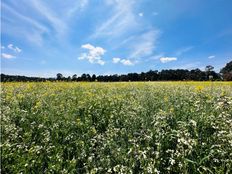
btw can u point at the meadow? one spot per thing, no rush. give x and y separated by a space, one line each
130 127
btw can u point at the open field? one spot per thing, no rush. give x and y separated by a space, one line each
133 127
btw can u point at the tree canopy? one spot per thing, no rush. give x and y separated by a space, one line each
227 71
151 75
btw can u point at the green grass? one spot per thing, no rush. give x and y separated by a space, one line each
160 127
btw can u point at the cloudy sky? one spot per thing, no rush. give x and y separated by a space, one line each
42 38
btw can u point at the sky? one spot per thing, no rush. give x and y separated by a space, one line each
43 38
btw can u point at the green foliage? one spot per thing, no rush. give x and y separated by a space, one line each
166 127
227 71
227 68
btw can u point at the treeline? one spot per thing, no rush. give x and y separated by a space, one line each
17 78
152 75
164 75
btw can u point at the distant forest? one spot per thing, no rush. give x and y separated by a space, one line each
152 75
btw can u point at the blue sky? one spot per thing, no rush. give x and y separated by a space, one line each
43 38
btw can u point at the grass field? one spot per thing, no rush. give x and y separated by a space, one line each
144 127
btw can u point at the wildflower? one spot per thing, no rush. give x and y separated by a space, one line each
93 130
192 122
199 88
172 161
78 121
171 109
38 104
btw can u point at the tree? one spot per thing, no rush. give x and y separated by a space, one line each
227 68
69 79
88 77
93 78
208 71
74 77
196 74
227 71
151 75
59 76
83 77
209 68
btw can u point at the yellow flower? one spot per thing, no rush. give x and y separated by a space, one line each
38 104
78 122
171 109
199 88
93 131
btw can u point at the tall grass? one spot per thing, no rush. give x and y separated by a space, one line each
162 127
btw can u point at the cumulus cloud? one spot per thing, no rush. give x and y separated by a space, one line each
116 60
167 59
94 54
211 57
126 62
7 56
14 48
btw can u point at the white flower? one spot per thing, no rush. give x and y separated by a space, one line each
192 122
172 161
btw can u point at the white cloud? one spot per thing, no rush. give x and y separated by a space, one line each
56 22
94 54
141 45
10 46
36 21
139 39
144 44
211 57
101 62
14 48
167 59
23 26
122 19
7 56
78 6
26 19
116 60
126 62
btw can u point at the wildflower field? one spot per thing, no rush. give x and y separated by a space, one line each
132 127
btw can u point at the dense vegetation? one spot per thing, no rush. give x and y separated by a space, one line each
164 75
143 127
